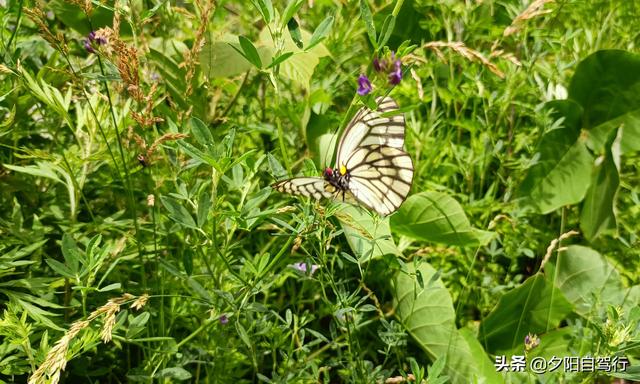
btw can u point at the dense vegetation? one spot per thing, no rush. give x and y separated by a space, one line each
140 240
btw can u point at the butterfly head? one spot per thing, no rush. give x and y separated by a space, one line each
328 173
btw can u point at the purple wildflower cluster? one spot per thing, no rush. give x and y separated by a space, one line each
92 38
391 67
530 342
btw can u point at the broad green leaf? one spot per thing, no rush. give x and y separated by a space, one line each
630 140
177 212
321 32
176 373
201 132
436 217
563 172
367 237
428 315
586 279
367 17
598 211
606 84
300 66
220 60
533 307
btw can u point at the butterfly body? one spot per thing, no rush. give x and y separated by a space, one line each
372 167
339 180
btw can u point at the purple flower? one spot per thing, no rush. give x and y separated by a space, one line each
224 319
396 76
92 38
379 65
87 45
530 342
364 85
391 65
302 267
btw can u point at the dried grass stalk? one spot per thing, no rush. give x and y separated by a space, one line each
534 9
464 51
56 360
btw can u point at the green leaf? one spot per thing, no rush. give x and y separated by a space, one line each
197 154
598 213
436 217
387 29
586 279
204 204
201 132
176 373
367 17
73 16
562 174
60 268
136 325
291 9
71 252
300 66
265 7
172 75
249 51
606 84
294 31
177 212
222 59
367 236
534 307
110 287
630 140
429 317
279 59
321 32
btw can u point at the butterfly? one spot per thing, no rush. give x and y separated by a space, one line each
371 168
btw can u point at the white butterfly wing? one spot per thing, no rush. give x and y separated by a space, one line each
315 187
368 127
380 177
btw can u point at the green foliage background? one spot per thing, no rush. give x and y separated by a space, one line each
140 240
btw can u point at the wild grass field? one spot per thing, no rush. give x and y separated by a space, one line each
141 239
